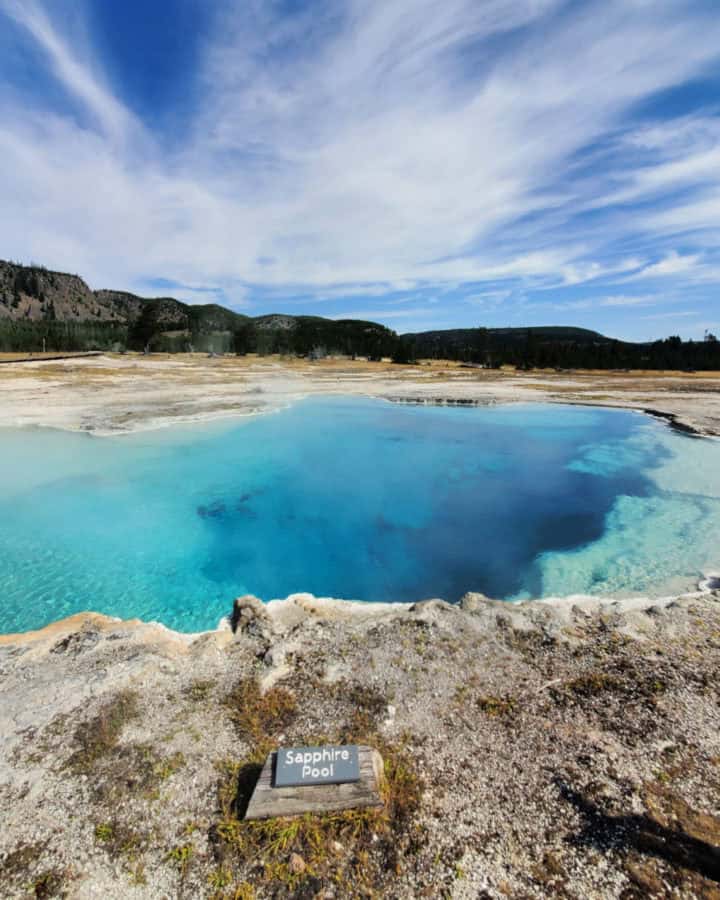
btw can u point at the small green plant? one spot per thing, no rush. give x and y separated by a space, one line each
220 878
103 832
122 841
181 856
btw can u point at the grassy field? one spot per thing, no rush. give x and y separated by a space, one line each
349 365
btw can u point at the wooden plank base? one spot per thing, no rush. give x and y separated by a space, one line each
268 801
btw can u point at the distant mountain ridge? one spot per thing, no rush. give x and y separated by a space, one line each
42 309
35 294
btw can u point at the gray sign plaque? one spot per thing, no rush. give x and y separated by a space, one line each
303 766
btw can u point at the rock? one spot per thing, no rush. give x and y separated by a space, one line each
275 657
249 615
426 605
472 602
297 864
429 612
389 716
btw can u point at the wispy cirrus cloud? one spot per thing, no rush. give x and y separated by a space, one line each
365 149
112 117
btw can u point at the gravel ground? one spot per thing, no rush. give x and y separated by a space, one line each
531 750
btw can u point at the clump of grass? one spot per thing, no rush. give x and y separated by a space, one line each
169 765
120 840
257 717
365 705
50 883
241 891
98 736
590 684
132 771
199 689
125 843
181 856
497 706
103 832
623 678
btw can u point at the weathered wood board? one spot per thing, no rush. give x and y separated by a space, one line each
268 801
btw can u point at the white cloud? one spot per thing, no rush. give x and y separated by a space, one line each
380 314
618 301
679 314
629 300
673 264
73 73
689 268
373 148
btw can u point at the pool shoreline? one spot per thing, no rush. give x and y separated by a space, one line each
284 613
112 395
274 387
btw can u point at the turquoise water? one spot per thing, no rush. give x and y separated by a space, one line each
351 498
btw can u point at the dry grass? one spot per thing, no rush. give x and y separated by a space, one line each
194 368
98 736
259 717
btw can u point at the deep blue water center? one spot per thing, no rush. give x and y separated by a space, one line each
349 498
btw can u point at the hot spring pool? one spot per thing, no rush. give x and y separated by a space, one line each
352 498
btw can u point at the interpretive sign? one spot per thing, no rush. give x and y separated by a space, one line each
300 766
299 780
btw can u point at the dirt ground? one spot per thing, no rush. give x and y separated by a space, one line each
116 393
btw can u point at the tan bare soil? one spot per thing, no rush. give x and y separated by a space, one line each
115 393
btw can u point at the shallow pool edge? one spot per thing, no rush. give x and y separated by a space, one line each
283 615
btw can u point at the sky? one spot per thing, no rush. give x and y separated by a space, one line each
419 163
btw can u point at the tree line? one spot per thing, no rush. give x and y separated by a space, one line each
314 337
551 348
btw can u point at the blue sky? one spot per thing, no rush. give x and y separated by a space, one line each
422 164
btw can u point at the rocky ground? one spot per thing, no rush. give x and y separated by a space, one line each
531 750
115 394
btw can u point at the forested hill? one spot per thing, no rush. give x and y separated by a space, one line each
542 345
59 312
560 347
